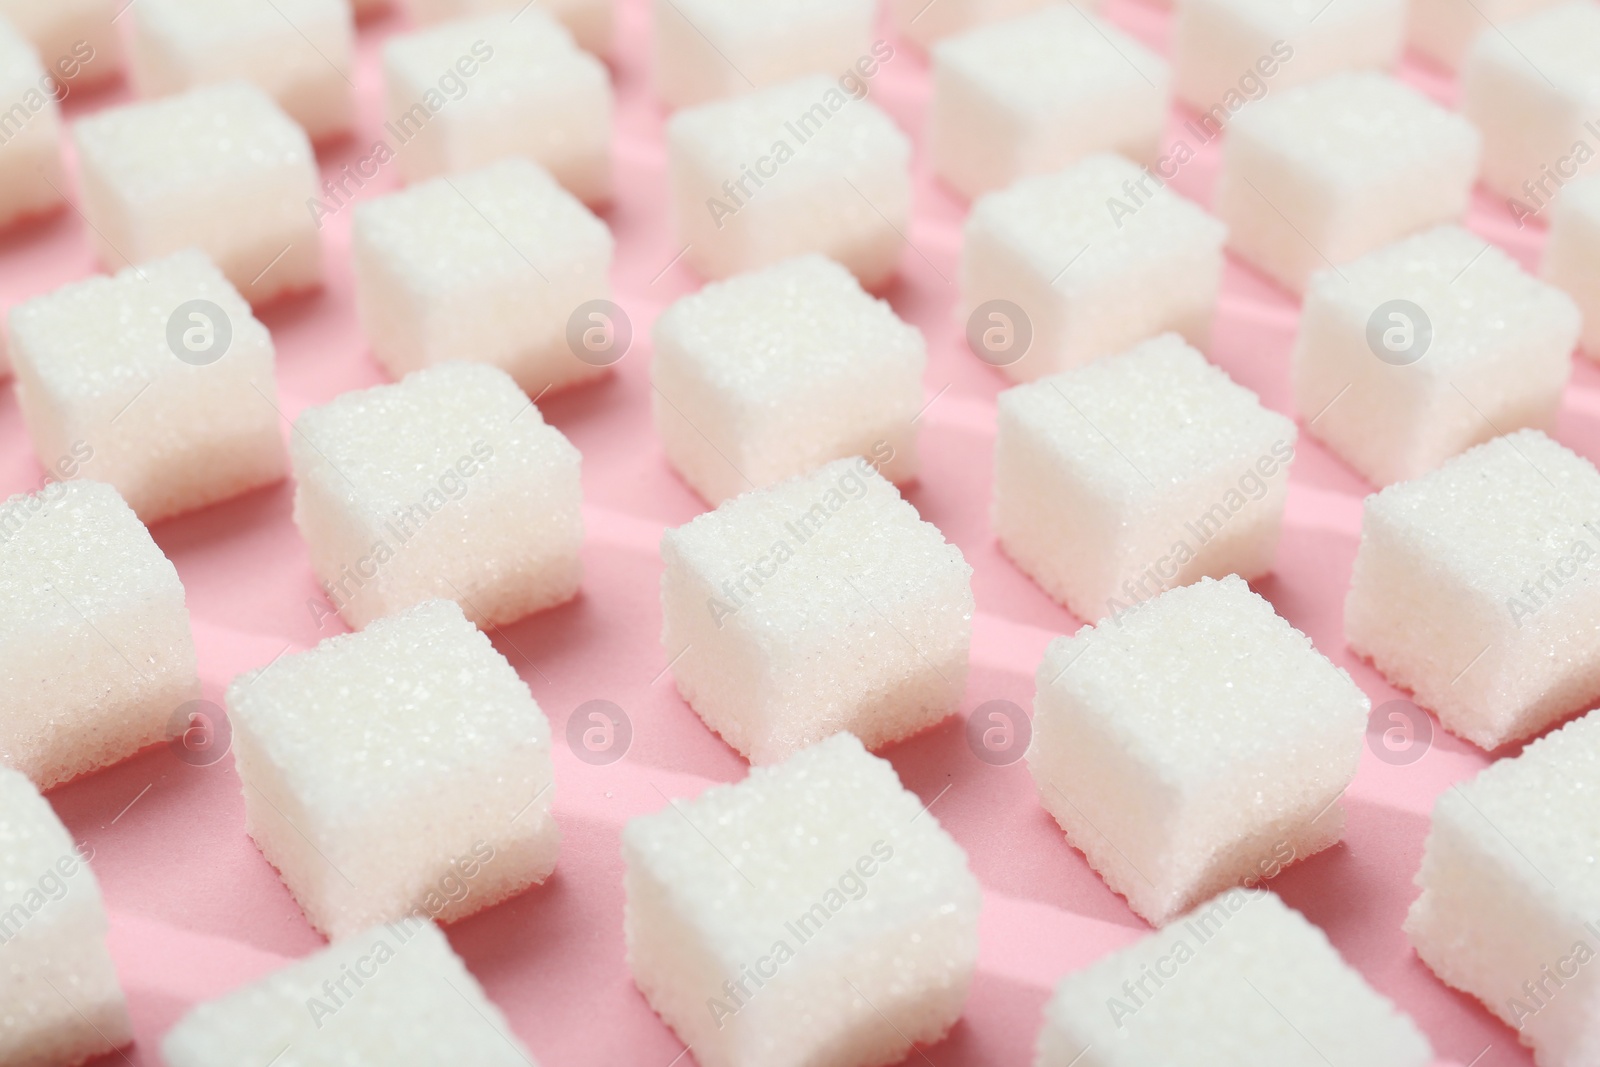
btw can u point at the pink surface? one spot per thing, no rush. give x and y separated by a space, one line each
196 911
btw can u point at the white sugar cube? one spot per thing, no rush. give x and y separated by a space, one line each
706 49
76 39
774 373
299 51
31 179
812 913
1194 742
1426 347
1138 473
1242 981
1064 268
489 266
400 771
62 1001
95 650
819 605
1324 173
1473 588
446 484
1530 88
801 167
162 372
476 91
219 168
1033 94
1444 30
1226 51
1509 904
1572 254
925 22
395 994
591 22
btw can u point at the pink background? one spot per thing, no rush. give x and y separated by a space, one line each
196 911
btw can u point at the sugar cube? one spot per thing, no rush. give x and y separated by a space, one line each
76 39
774 373
31 178
812 913
1418 351
1509 903
162 372
927 21
1572 254
1473 588
475 91
220 168
1137 473
446 484
62 1001
1242 981
1064 268
95 649
489 266
1530 88
705 49
1247 48
403 770
787 627
846 188
396 994
1444 30
1031 95
589 21
1324 173
1192 742
299 51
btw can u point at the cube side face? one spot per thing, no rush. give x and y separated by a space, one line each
1445 30
1570 259
31 172
925 24
76 39
974 139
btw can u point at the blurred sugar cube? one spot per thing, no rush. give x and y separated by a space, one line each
845 187
771 374
1192 742
927 21
1137 473
488 266
1444 30
1426 347
591 22
1572 254
220 168
76 40
163 374
475 91
1324 173
1476 588
819 605
1033 94
96 656
1242 981
299 51
32 181
400 772
446 484
812 913
63 1003
1064 268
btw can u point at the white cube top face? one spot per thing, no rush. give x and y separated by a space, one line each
1194 742
491 266
1496 548
1034 94
63 1003
401 771
76 39
1242 981
1445 30
382 995
766 919
1420 350
1064 268
591 22
31 178
158 381
925 22
1572 254
773 373
1533 88
1508 904
447 484
1327 172
819 605
806 166
219 168
1137 473
475 91
79 572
